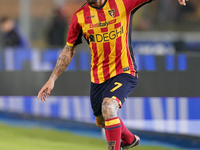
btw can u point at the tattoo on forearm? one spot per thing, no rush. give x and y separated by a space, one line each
63 61
70 49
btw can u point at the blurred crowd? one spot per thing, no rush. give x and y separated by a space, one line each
49 21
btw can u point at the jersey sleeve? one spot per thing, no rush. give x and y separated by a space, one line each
134 4
74 36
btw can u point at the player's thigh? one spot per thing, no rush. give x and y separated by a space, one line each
96 96
120 87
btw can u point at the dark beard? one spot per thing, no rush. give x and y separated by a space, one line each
91 1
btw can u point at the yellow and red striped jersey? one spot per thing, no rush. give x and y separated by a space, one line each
107 29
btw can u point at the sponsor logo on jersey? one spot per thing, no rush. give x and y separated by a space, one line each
91 17
126 69
105 37
102 24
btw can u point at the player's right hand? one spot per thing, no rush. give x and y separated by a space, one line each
46 90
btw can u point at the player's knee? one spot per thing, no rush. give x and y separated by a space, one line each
109 108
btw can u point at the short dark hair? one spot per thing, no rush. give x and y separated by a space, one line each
4 19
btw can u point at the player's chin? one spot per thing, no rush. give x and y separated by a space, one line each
92 1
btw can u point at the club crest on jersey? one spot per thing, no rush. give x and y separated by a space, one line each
112 13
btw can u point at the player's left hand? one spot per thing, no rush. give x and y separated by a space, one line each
183 2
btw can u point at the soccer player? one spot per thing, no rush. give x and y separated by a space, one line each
106 25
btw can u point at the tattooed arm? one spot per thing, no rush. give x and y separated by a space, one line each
62 63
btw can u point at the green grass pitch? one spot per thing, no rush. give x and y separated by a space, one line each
18 138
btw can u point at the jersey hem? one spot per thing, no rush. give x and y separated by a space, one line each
133 73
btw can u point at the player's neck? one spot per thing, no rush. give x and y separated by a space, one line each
99 3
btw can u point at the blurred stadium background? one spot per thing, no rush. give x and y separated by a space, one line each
163 109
